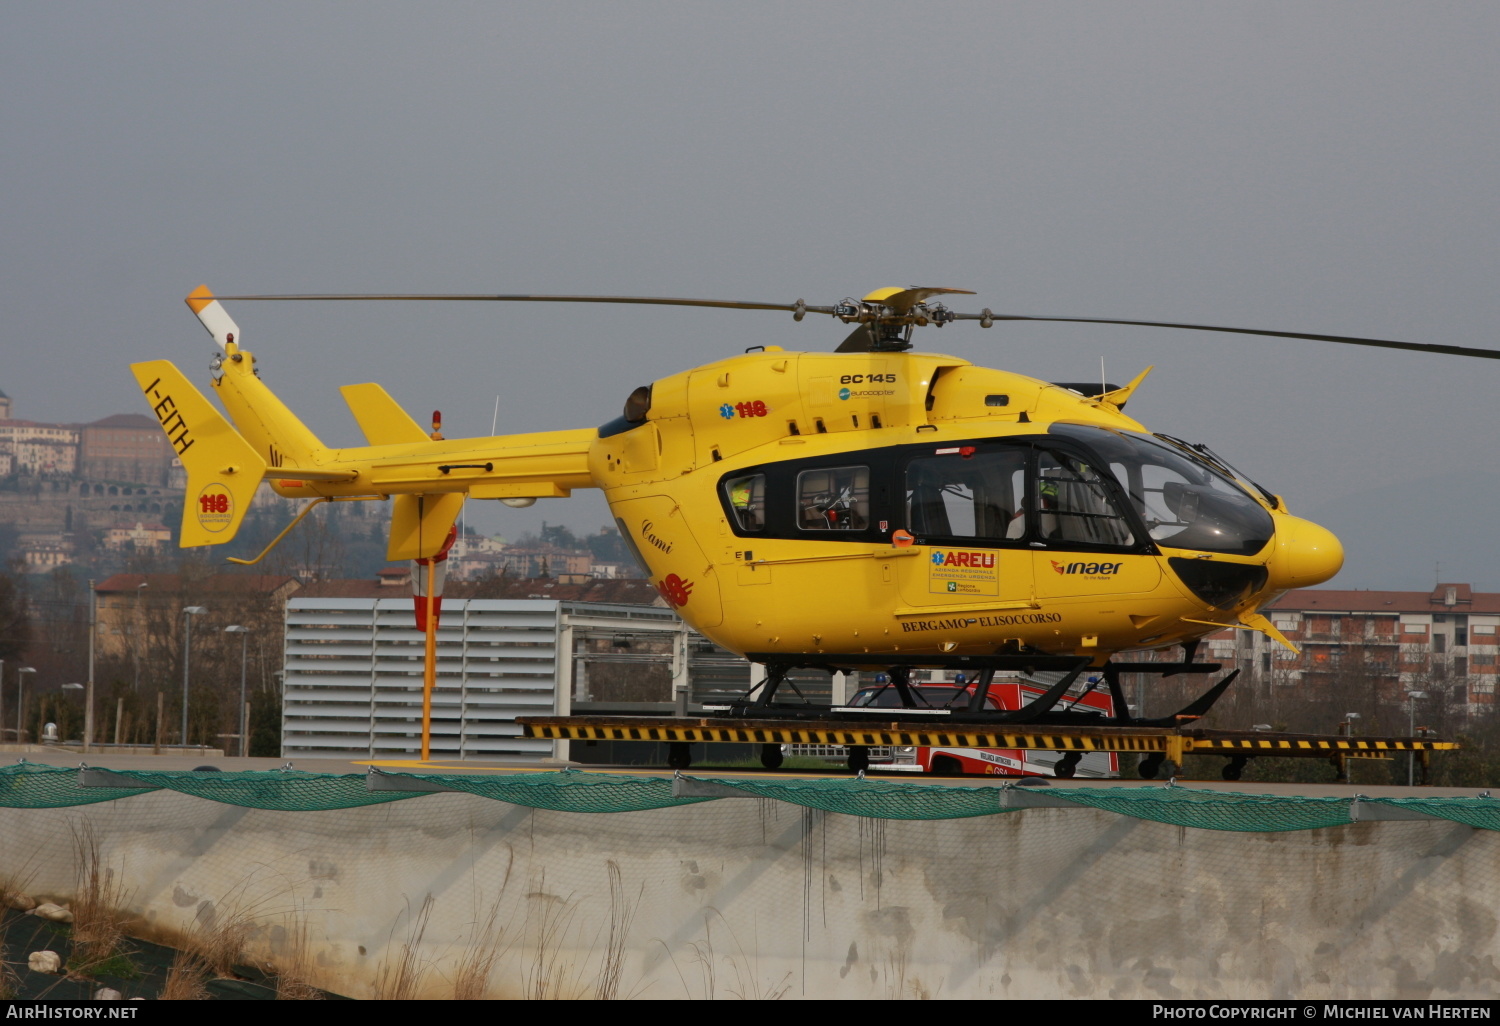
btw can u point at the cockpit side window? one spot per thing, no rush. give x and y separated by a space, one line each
1074 504
747 501
979 495
834 499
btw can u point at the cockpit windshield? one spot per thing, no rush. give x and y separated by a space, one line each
1186 503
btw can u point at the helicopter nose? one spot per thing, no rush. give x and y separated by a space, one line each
1306 554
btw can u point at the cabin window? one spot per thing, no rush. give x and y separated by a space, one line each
834 499
747 501
978 495
1074 505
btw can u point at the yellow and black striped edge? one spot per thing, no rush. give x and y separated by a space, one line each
560 728
1350 746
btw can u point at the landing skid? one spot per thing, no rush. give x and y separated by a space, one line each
1047 709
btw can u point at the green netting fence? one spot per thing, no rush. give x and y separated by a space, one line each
873 799
1483 813
32 786
560 792
282 790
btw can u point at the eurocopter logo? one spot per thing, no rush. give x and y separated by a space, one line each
849 393
980 560
1087 569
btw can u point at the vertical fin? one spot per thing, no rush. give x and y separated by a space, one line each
1118 397
223 471
420 524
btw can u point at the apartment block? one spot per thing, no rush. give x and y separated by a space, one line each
1398 640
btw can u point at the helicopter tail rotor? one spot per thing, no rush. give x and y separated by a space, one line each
212 315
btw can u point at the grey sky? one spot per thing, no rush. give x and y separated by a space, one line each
1325 167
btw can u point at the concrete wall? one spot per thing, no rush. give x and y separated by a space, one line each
752 898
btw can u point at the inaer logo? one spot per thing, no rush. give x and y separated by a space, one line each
1087 569
979 560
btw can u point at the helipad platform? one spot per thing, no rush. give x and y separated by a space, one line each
1165 744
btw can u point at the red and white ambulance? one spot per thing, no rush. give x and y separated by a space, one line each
1006 692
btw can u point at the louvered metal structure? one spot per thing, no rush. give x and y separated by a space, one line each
353 673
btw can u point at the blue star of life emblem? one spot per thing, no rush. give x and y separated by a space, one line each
726 411
937 559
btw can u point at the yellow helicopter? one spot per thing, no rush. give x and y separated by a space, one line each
964 517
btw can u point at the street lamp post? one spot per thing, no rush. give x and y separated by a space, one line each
188 612
75 686
1411 728
20 704
244 633
88 699
1346 768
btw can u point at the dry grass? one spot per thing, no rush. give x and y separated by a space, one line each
547 977
399 980
187 980
99 921
293 968
621 915
212 948
10 980
471 978
16 883
703 955
748 985
218 943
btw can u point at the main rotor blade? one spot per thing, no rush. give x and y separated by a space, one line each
853 342
1416 347
724 304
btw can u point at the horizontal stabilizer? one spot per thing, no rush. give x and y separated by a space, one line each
298 474
1250 622
1257 622
223 471
380 417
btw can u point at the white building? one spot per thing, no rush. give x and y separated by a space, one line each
49 449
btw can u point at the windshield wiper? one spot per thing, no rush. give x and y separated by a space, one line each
1203 454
